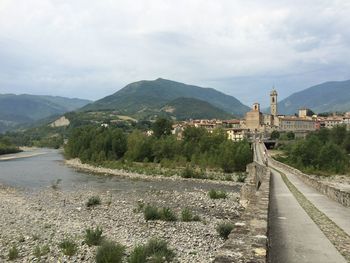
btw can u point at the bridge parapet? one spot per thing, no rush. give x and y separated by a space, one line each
248 241
339 195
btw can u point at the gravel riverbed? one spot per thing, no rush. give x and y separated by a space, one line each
46 217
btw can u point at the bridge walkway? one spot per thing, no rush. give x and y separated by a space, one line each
293 235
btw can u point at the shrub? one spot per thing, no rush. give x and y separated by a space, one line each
93 201
214 194
241 177
110 252
151 213
93 237
13 253
224 229
167 214
140 207
69 247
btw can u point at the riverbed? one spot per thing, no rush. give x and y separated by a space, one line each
35 213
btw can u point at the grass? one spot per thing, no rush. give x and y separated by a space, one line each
217 194
187 216
154 251
41 251
68 247
93 201
154 213
224 229
110 252
13 253
93 237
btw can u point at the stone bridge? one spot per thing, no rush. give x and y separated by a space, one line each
289 217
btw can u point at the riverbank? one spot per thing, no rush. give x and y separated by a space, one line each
26 152
78 165
48 216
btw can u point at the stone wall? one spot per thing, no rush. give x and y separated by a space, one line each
339 195
248 241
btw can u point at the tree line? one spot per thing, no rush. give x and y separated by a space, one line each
198 147
324 151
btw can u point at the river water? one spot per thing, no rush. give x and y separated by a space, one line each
40 171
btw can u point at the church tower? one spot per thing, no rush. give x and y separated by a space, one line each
273 102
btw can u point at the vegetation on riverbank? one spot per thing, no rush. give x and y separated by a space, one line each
199 150
6 147
323 152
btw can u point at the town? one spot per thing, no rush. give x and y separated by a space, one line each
263 124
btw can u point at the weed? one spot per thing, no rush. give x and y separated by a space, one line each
151 213
167 214
110 252
93 237
41 251
155 251
224 229
93 201
241 177
217 194
13 253
69 247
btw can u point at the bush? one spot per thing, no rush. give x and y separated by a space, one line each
151 213
214 194
167 214
69 247
93 201
13 253
93 237
155 251
110 252
224 229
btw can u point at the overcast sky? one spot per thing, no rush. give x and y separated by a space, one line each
90 49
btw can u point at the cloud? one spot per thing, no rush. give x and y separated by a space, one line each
89 49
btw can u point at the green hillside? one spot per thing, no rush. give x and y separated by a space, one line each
189 108
327 97
24 109
150 96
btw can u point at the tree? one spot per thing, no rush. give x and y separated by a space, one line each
162 127
290 135
332 158
275 135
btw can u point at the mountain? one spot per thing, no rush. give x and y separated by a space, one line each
190 108
326 97
24 109
144 96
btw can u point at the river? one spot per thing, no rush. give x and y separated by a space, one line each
47 166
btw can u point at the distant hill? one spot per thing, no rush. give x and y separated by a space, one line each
327 97
190 108
150 96
24 109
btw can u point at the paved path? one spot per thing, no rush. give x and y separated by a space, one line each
339 214
294 237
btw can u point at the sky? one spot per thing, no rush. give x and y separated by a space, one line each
90 49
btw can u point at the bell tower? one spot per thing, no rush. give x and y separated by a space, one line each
273 102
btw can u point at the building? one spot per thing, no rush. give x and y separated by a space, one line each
295 124
273 102
236 134
254 119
